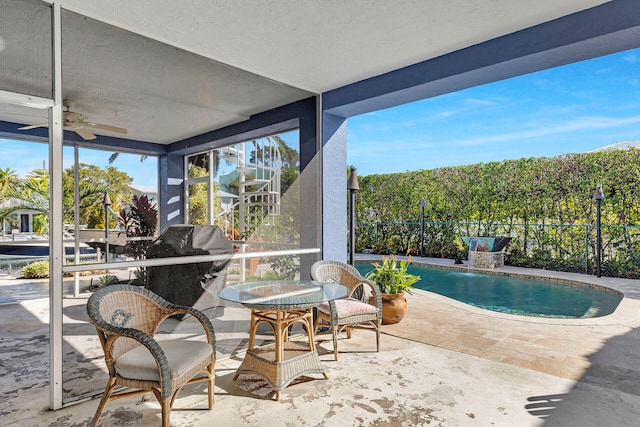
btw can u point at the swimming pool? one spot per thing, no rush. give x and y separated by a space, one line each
514 295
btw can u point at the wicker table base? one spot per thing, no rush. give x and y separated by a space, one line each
284 361
298 361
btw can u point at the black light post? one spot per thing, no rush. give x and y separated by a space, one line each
107 203
352 186
423 203
598 196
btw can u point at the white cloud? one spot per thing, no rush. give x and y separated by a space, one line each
484 102
634 82
631 57
583 123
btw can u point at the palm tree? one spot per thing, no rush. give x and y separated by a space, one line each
8 181
33 193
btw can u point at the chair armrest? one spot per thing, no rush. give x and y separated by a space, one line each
375 293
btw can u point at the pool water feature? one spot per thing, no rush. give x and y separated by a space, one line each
514 295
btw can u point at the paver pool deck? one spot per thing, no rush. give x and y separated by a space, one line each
445 364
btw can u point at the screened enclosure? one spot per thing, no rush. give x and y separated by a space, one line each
141 137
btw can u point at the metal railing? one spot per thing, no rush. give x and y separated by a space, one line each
557 246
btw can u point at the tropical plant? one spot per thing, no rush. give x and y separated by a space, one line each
32 193
285 267
99 180
106 280
8 180
391 275
140 219
198 193
36 270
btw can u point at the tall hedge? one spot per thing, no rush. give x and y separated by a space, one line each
545 204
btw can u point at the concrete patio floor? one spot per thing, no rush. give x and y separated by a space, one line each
445 364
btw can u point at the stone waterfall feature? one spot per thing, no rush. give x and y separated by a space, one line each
486 251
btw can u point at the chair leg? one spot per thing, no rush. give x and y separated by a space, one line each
211 385
111 384
316 325
165 405
378 336
334 331
166 411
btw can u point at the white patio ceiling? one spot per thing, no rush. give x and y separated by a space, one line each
322 45
287 50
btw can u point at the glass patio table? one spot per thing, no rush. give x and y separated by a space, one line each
280 304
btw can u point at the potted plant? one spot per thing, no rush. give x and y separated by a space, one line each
393 280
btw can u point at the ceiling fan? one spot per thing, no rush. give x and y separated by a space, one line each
78 123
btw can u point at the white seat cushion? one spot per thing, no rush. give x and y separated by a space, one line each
348 307
182 355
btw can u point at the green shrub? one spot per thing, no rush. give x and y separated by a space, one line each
36 270
270 275
284 267
106 280
544 204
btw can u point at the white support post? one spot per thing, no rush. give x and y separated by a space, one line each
210 192
76 220
185 190
56 220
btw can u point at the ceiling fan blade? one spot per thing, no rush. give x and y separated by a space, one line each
106 127
85 134
41 125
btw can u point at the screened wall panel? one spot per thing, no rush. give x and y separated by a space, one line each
126 96
25 47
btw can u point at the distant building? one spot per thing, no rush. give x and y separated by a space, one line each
145 190
20 220
623 145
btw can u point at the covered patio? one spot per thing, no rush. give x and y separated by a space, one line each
446 363
184 83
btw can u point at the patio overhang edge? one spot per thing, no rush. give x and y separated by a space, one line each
609 28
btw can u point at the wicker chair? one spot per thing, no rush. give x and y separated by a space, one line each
126 318
349 312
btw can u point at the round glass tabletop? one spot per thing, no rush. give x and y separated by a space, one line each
283 294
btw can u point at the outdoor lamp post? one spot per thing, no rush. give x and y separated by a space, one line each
352 186
598 196
423 203
107 203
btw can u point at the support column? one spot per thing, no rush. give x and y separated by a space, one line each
310 182
56 220
171 195
334 185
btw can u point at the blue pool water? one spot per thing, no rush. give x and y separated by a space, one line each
514 295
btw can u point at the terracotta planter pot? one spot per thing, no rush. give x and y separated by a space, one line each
394 307
253 265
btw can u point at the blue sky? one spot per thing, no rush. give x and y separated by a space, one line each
570 109
25 157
